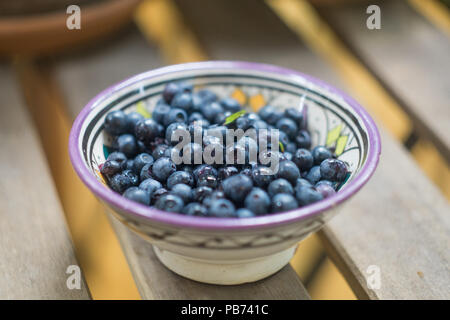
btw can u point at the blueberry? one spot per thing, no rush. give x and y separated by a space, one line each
134 178
204 170
146 172
222 117
237 187
207 96
132 119
159 112
170 203
303 139
289 171
128 165
262 176
242 123
160 151
226 172
326 190
283 138
215 195
126 143
122 181
150 185
313 175
283 202
195 209
294 114
244 213
183 191
320 153
303 159
171 89
117 156
116 122
110 168
171 129
163 168
182 100
333 169
222 208
327 182
211 110
259 124
158 193
288 126
230 104
137 195
140 161
247 172
257 201
270 114
180 177
201 193
280 186
306 195
290 148
175 115
207 181
147 130
303 182
195 116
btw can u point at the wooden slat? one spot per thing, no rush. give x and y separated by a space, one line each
35 246
409 55
153 280
399 221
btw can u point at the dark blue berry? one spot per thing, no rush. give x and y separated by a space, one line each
201 193
216 195
132 119
150 185
320 153
170 203
290 148
226 172
283 202
204 170
230 104
288 126
303 182
326 190
211 110
163 168
128 165
270 114
173 127
175 115
242 123
120 182
306 195
140 161
244 213
303 139
183 191
237 187
195 116
195 209
182 100
158 193
294 114
146 172
279 186
333 169
116 122
208 181
171 89
180 177
137 195
262 176
257 201
126 143
117 156
147 130
159 112
110 168
289 171
160 151
222 208
313 175
303 159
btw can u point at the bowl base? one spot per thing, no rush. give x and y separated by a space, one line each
225 273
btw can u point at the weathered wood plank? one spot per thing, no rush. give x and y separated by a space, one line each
154 281
35 246
408 55
399 221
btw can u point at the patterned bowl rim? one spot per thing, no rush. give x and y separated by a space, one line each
178 220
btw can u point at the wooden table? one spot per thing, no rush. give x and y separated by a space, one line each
399 222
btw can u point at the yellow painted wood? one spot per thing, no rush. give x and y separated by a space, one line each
301 17
97 249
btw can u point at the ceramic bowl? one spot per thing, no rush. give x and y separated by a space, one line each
229 250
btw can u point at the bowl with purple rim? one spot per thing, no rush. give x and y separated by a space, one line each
229 250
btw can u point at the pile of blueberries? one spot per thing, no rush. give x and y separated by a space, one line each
142 170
